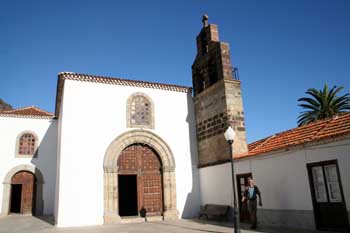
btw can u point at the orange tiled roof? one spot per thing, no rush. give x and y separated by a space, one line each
322 129
30 111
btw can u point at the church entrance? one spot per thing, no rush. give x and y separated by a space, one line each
127 195
140 181
16 198
22 193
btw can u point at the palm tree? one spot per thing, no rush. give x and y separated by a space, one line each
322 104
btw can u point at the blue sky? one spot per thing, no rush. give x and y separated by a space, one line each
280 47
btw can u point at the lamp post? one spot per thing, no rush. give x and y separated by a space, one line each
229 136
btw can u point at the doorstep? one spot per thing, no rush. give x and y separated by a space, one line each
138 219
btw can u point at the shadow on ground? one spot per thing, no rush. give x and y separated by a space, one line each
48 219
263 229
29 224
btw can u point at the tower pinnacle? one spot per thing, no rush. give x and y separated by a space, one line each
205 20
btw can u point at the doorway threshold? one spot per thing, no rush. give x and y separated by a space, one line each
132 219
138 219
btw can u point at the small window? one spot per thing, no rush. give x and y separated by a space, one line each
140 111
26 145
319 184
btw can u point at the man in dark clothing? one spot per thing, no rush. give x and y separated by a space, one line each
251 193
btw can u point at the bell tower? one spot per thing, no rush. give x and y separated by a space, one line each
217 98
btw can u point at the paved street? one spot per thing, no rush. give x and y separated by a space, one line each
27 224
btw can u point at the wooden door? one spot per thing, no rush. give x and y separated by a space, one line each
151 180
141 160
327 196
242 183
27 181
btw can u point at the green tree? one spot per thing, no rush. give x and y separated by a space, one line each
322 104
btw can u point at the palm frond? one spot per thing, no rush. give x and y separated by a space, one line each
323 103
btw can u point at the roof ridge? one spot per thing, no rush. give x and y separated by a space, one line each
265 141
19 111
70 74
28 107
21 108
41 110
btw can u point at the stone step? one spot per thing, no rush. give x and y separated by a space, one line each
154 218
137 219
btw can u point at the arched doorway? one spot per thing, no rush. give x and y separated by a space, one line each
22 193
111 178
38 203
140 181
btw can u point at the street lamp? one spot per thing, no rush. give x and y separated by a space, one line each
229 136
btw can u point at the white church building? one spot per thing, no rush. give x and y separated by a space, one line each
115 147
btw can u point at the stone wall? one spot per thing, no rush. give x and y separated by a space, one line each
235 114
216 108
217 98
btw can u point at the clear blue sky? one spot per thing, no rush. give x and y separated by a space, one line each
280 47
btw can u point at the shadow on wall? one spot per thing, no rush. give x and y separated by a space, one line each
192 205
45 161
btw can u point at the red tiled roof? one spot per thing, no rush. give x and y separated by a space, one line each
30 111
322 129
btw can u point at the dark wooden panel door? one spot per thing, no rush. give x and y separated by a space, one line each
327 196
242 183
27 180
143 161
151 182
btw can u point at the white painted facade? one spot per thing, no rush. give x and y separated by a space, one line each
44 161
92 116
72 150
282 179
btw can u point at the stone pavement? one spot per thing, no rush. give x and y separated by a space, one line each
28 224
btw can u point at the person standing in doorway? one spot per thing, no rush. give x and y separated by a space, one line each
251 193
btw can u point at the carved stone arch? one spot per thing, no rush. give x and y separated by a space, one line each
39 178
35 154
111 210
128 112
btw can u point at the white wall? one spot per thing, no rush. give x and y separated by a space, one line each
45 161
93 116
282 177
340 151
216 185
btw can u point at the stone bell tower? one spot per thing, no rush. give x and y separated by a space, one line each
217 98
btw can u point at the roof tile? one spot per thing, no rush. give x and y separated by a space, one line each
31 111
322 129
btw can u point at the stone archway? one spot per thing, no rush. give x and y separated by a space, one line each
39 188
111 213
